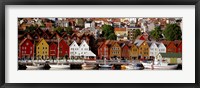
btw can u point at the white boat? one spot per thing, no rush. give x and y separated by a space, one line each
105 65
88 67
159 66
137 66
53 67
129 67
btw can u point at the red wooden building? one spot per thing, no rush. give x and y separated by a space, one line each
26 49
63 48
125 51
178 44
104 50
170 46
55 37
53 50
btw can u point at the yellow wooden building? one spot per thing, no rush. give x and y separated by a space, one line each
143 49
133 52
115 49
42 49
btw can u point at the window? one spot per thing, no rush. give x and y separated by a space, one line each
27 43
31 48
25 51
43 47
38 52
30 51
42 43
25 47
38 47
46 47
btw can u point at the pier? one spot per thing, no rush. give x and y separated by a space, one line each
77 64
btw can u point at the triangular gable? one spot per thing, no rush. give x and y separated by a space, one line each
74 43
84 42
55 35
142 38
40 41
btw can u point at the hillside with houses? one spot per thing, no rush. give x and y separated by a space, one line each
99 38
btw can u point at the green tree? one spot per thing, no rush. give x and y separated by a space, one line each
173 32
31 28
58 29
80 22
156 33
108 30
137 33
69 30
112 36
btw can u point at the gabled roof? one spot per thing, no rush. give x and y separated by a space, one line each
40 41
50 43
105 43
74 42
119 29
138 42
177 42
25 39
39 31
149 43
65 34
35 33
84 42
48 33
166 43
25 34
55 34
141 37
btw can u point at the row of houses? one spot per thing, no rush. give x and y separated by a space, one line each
139 49
54 36
51 50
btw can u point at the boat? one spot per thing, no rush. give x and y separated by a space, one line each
105 65
87 66
159 65
136 66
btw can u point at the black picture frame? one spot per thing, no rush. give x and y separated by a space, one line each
3 3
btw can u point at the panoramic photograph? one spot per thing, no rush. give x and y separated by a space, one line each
118 43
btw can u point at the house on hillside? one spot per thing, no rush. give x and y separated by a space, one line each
121 33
